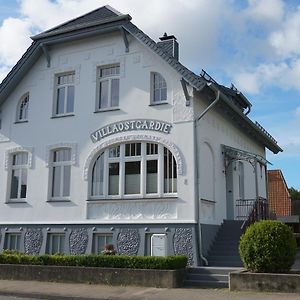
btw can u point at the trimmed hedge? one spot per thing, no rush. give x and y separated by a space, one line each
105 261
268 247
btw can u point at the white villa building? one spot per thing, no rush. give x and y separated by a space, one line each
106 138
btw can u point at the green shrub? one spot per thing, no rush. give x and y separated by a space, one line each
268 246
105 261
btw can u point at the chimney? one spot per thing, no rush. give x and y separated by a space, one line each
169 44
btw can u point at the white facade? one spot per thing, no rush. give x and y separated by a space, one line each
200 195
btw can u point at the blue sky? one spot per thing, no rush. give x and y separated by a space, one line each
254 44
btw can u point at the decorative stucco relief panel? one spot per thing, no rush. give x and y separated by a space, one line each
128 242
143 210
33 240
78 241
183 243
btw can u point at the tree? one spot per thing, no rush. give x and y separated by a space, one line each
295 194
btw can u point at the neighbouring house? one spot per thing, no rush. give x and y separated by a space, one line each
278 194
107 138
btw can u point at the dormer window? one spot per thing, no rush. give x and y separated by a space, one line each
22 109
65 94
158 89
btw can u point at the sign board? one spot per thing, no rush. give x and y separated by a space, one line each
131 125
158 245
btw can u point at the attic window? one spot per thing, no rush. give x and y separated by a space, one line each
158 89
108 82
22 109
65 94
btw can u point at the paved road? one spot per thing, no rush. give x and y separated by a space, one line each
30 290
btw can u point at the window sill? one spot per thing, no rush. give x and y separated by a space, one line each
62 116
58 200
21 121
140 199
15 201
106 109
159 103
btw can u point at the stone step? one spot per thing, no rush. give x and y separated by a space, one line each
207 277
224 252
205 284
211 270
225 263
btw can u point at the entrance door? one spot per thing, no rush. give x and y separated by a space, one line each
229 193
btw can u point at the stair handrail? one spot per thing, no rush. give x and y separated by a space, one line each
256 211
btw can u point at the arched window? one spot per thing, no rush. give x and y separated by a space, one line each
22 110
158 89
133 170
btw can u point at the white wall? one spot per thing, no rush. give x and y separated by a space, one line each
213 130
43 131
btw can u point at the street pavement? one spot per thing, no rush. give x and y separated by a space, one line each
66 291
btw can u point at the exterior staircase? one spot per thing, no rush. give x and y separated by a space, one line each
224 250
223 258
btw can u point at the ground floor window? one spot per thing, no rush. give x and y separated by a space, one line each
55 243
134 169
12 241
100 240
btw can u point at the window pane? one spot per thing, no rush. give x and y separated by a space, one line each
20 159
152 149
56 180
156 96
60 103
115 92
100 240
163 94
23 183
23 109
70 99
103 94
113 181
62 155
15 177
12 241
170 172
151 184
98 176
133 149
132 177
66 182
114 152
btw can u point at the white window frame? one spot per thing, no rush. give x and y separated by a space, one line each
49 246
23 117
152 89
122 159
95 248
65 86
61 164
11 168
110 78
7 241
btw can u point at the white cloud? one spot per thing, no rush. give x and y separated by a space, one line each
14 37
266 10
286 40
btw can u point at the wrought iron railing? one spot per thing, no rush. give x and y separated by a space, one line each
252 210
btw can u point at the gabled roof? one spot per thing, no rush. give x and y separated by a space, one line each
106 19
